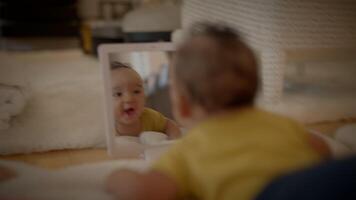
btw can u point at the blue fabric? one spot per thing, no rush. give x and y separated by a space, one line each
333 180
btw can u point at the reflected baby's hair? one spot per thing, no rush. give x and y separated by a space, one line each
216 68
119 65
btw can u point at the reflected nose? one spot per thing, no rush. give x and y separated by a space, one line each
128 98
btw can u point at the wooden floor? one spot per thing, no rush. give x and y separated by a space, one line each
329 127
63 158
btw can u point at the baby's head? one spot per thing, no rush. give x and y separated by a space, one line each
127 92
213 70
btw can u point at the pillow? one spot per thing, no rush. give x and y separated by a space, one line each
146 18
12 103
65 108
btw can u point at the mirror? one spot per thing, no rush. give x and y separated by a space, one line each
136 96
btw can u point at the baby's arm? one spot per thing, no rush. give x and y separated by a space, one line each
127 185
6 174
172 130
319 145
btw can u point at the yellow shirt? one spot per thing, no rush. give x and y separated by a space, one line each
152 120
232 157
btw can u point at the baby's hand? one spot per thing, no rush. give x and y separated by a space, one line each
172 130
6 174
125 184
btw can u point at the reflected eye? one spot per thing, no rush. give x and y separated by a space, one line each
137 91
117 94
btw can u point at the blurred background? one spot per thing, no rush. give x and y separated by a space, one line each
51 91
55 24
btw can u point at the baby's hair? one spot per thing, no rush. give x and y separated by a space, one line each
216 68
119 65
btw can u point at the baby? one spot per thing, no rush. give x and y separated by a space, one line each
232 150
131 116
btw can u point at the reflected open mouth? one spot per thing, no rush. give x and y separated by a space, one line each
129 112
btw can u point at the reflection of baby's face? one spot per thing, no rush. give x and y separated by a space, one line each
128 95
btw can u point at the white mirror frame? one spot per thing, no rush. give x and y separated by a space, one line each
104 58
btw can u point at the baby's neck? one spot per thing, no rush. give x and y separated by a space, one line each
199 115
133 129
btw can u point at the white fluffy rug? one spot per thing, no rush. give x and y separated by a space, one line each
77 182
65 107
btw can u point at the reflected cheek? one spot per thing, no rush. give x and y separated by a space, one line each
116 105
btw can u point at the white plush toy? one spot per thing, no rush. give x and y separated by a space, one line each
12 103
156 144
152 138
149 146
